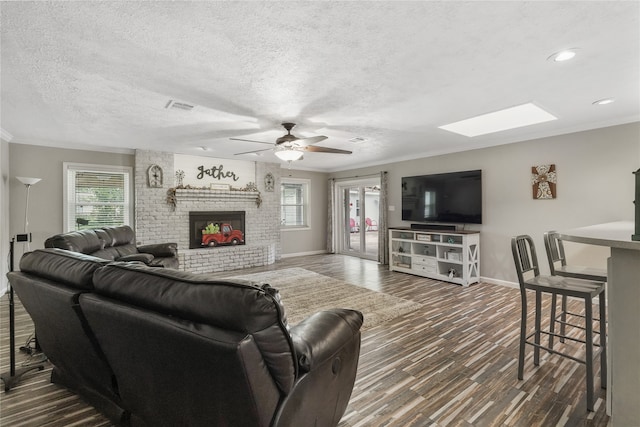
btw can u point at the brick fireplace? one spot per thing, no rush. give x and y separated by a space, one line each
158 221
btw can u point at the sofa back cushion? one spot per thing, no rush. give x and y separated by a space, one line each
83 241
232 305
113 253
72 269
116 235
176 372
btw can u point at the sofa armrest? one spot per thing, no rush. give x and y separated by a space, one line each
321 335
160 249
142 257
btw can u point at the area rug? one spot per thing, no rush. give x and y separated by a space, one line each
305 292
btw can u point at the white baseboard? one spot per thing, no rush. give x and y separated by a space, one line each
303 254
499 282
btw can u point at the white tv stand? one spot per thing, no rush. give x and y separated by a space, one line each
451 256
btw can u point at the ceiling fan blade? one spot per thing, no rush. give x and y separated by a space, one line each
250 140
312 139
251 152
315 149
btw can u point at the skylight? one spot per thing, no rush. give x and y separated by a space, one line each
509 118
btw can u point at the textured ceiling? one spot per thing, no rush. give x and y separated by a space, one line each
98 75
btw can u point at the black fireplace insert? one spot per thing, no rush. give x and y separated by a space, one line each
216 228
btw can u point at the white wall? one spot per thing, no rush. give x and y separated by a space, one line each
595 185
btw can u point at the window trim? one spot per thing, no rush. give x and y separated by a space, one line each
67 166
307 203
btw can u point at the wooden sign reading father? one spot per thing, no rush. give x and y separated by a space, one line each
204 171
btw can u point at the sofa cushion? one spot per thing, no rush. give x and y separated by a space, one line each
83 241
236 305
116 235
145 258
160 249
115 252
71 268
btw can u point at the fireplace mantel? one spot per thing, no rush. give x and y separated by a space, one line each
174 195
203 193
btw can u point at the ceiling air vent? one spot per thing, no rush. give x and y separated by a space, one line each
178 105
357 139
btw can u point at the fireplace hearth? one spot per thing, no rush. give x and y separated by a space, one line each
212 229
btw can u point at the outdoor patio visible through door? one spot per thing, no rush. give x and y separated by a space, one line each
357 231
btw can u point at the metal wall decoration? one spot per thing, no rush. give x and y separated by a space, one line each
269 182
154 176
544 180
179 177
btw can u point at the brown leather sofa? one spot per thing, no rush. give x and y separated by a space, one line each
115 244
160 347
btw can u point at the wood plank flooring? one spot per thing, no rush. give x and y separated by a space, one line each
451 363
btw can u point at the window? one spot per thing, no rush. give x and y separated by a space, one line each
429 204
294 203
96 196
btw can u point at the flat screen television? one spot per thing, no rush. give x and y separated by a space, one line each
454 197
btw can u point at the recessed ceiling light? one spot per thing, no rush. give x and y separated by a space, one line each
604 101
509 118
563 55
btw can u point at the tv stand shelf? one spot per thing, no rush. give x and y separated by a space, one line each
450 256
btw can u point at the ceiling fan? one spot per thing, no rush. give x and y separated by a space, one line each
290 147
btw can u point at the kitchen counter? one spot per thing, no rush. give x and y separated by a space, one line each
623 314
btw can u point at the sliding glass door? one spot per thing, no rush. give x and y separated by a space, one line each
358 217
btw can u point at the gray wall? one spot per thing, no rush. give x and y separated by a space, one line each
595 185
45 200
5 235
312 240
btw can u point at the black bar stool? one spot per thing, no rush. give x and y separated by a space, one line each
526 262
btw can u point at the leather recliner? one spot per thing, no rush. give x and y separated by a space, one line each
49 284
181 349
115 244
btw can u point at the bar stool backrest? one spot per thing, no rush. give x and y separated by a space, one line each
524 257
555 255
555 251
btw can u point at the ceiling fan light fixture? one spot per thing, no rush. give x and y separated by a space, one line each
604 101
288 154
563 55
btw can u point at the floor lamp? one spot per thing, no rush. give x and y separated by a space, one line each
13 376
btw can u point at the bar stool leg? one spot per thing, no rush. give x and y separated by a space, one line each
603 341
589 351
523 333
563 318
536 349
552 321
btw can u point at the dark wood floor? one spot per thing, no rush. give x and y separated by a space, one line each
451 363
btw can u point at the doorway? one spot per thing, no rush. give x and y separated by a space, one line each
358 216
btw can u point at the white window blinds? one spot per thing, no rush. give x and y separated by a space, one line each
294 203
96 196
